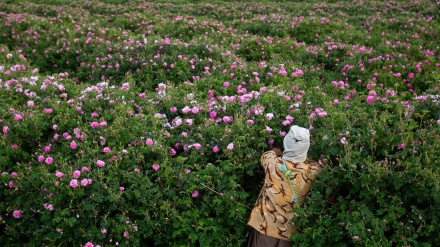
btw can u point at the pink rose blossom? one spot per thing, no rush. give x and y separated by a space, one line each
48 206
49 160
94 124
227 119
11 184
195 110
216 149
106 150
230 146
18 117
100 163
17 214
85 169
121 188
343 141
40 158
195 193
47 149
30 103
47 111
103 124
73 183
268 129
186 110
76 174
155 167
84 182
88 244
73 145
149 142
197 146
173 109
59 174
5 129
370 99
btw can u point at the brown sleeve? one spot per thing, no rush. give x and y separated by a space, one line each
314 169
267 158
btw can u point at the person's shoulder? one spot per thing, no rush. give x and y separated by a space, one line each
309 161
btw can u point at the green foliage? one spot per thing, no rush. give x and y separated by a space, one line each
151 74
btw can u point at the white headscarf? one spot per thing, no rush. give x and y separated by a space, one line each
296 144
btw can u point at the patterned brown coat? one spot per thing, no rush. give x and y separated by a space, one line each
272 212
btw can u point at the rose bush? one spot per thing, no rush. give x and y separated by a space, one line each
142 124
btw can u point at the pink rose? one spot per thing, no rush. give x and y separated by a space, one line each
88 244
18 117
268 129
195 110
186 110
156 167
230 146
100 163
249 122
195 193
76 174
59 174
73 183
84 182
216 149
197 146
49 160
149 142
73 145
94 124
16 214
227 119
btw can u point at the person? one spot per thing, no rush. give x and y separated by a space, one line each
288 178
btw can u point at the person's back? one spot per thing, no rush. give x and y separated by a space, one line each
272 213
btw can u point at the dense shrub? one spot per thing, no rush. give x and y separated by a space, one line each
142 124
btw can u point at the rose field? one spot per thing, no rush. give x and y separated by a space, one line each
134 123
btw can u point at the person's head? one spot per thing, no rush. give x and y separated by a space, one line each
296 144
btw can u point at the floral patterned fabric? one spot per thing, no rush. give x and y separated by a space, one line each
271 214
